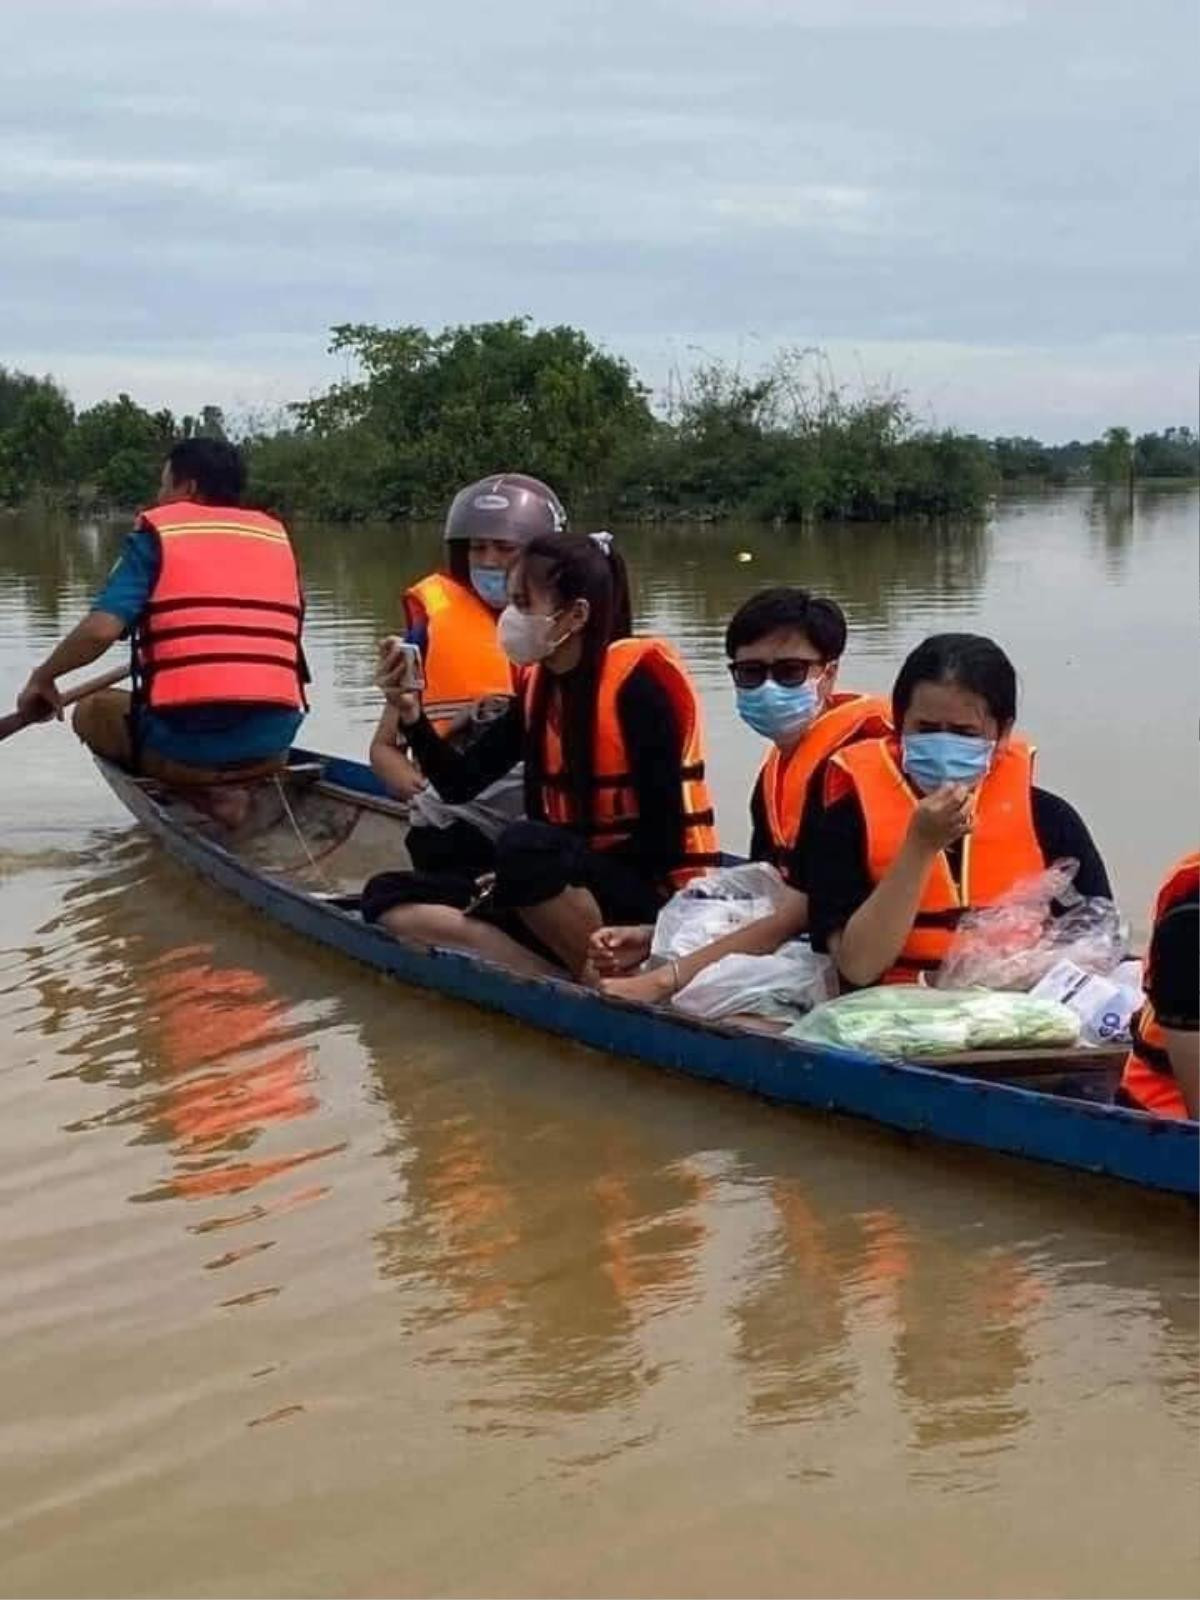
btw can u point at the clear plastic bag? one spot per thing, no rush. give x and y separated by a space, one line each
1014 943
719 903
905 1020
790 981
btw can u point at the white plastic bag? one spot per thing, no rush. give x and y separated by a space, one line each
790 981
1014 943
710 907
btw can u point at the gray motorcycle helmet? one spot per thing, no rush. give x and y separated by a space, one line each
508 505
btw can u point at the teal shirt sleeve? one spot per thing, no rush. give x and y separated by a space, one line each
126 591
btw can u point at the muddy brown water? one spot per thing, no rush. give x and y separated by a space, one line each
314 1286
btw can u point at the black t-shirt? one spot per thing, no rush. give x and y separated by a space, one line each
839 881
1174 982
798 866
653 740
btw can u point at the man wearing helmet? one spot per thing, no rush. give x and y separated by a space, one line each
451 619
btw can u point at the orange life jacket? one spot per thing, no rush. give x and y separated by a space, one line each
786 774
1148 1080
614 803
1001 849
223 620
463 659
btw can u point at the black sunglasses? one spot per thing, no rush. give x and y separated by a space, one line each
788 672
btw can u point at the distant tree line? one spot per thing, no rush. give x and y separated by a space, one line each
426 412
1116 458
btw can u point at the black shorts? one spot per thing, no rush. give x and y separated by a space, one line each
387 890
536 861
460 850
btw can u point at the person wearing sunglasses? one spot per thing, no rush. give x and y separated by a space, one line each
784 647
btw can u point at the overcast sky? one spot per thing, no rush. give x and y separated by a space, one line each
991 203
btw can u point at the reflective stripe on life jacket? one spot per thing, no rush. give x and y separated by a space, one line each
1001 849
786 774
463 659
614 802
1148 1082
223 621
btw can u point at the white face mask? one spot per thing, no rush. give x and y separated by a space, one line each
525 637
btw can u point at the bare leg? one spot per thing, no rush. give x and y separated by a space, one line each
447 926
102 723
759 938
566 925
655 987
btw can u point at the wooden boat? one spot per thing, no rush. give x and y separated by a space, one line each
312 837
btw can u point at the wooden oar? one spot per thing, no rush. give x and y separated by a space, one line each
16 720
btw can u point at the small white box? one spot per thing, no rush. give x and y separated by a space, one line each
1105 1008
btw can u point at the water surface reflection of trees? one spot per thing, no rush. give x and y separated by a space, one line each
682 574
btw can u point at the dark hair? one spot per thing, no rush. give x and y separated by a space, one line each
458 560
793 610
967 660
575 567
214 465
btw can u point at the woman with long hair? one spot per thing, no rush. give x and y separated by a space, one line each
608 728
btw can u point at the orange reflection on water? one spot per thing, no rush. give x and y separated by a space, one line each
215 1105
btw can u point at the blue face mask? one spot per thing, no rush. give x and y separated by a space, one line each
491 585
932 759
779 714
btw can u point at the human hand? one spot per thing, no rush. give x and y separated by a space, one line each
943 817
406 705
39 700
615 950
404 700
407 786
401 678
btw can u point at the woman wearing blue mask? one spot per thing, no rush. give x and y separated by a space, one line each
451 617
941 818
607 728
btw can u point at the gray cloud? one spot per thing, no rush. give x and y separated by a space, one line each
991 200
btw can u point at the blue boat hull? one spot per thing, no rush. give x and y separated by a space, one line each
1152 1152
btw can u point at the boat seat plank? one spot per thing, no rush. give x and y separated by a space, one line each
1103 1061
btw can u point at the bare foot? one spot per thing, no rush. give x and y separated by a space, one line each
651 988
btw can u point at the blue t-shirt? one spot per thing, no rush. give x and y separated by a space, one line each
201 736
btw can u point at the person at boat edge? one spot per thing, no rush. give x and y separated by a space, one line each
784 648
1162 1072
209 592
609 729
938 818
450 617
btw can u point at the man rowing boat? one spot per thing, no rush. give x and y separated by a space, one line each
209 593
